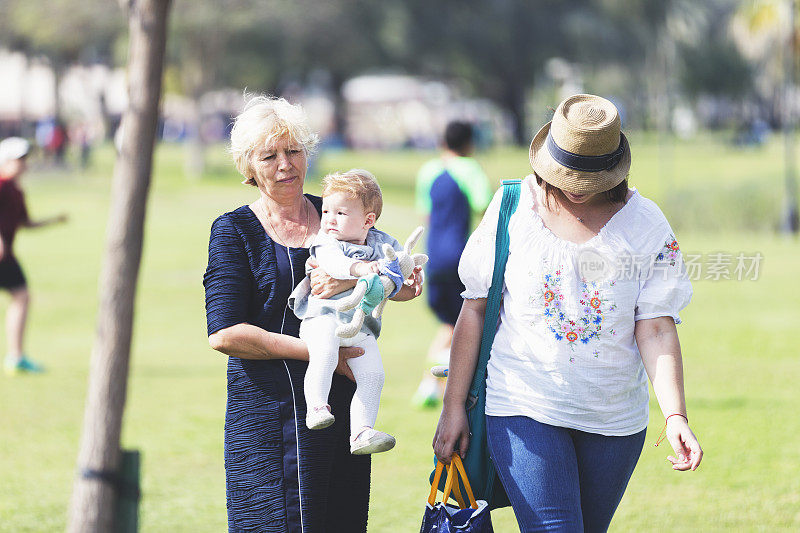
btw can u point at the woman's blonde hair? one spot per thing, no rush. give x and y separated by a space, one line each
357 183
264 120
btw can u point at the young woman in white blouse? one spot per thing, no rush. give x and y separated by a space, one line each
592 290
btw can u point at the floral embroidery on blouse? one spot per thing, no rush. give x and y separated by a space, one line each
587 325
669 251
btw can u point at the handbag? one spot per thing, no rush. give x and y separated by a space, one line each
477 462
445 518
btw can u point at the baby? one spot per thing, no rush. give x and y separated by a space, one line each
347 247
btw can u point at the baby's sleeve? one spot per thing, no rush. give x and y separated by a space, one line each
477 261
665 288
331 257
385 238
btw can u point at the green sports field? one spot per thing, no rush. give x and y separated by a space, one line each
739 341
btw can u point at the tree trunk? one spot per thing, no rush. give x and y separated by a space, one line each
59 67
195 146
205 49
98 459
514 100
339 109
791 216
194 84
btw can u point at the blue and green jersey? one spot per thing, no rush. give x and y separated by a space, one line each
448 190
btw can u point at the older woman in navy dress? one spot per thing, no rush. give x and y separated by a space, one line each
280 476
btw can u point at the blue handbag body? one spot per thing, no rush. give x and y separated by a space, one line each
477 462
445 518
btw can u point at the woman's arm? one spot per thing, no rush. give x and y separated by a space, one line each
251 342
657 339
58 219
452 431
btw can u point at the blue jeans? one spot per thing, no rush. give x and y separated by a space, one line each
560 479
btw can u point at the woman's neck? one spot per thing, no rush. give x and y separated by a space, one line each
598 203
291 208
289 222
593 214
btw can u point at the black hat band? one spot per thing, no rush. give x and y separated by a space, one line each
584 163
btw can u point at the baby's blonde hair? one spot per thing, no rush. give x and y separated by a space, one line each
357 183
266 119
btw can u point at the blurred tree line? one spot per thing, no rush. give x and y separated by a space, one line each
650 54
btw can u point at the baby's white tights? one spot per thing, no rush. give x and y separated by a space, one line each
323 353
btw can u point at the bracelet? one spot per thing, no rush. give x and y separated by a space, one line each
663 433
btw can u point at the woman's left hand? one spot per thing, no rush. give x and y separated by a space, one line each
324 286
346 353
687 448
412 287
415 281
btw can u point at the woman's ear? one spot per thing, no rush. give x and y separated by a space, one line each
371 218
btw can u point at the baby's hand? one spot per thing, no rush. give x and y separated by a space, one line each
362 268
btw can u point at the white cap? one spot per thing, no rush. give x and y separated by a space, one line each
13 148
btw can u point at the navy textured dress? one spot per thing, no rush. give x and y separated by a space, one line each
280 476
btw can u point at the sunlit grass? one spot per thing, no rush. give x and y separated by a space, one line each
738 339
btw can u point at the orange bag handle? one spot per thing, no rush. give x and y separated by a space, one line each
460 467
454 470
458 496
435 485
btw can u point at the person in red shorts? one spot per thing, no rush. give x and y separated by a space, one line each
13 215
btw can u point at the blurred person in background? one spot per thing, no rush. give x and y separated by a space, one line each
449 188
51 137
13 215
83 137
57 145
280 475
567 401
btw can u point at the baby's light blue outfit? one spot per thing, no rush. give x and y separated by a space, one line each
336 258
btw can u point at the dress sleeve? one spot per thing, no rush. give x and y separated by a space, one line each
228 279
665 288
477 261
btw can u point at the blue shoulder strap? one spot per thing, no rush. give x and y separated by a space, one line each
508 206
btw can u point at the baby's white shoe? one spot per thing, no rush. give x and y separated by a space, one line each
371 441
319 417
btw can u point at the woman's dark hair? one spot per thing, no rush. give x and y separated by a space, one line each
614 195
458 136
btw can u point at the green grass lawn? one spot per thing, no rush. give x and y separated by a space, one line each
741 355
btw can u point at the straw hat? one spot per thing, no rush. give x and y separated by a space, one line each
582 150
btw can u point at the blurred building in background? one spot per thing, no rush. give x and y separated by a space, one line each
395 111
386 111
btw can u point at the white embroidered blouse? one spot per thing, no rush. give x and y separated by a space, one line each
565 353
